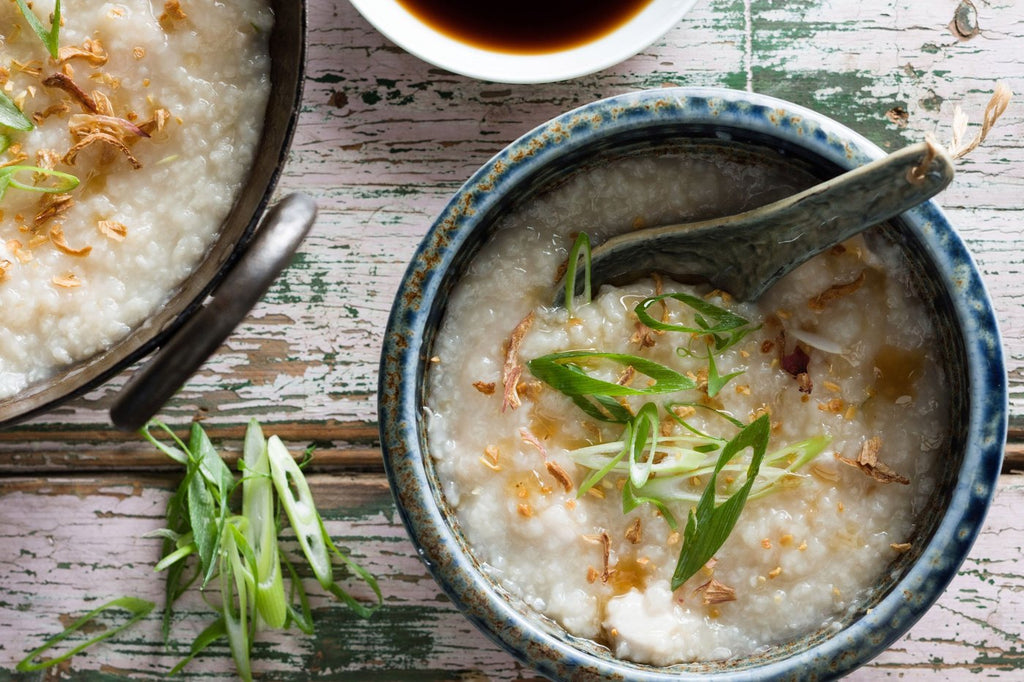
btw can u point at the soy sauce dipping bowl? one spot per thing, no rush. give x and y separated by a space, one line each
738 122
447 51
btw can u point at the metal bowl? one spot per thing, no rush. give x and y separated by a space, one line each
738 123
287 54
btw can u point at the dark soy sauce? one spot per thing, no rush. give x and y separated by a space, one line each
525 26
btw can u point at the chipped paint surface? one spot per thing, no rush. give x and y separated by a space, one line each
383 141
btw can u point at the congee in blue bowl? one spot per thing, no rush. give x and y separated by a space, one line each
658 481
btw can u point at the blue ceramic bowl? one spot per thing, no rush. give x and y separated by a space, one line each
737 122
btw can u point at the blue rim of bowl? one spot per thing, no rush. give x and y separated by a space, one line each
404 358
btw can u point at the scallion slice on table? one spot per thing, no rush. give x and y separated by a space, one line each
241 550
137 610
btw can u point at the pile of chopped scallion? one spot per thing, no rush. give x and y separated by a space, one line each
232 554
660 470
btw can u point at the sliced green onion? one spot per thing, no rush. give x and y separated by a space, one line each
710 319
362 573
302 618
241 551
261 532
581 247
297 500
643 438
676 460
65 182
708 526
609 465
51 37
562 372
676 486
136 608
202 519
670 408
715 381
214 631
183 552
11 116
234 605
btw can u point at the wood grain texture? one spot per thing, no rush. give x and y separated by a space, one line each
383 140
58 567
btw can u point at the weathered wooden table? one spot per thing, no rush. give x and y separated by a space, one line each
383 140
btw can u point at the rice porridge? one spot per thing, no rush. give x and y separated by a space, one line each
840 357
156 107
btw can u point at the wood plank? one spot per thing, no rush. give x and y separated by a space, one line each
382 142
384 139
337 448
56 562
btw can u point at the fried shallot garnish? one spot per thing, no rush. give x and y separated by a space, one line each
485 387
91 51
635 532
528 437
52 206
868 462
105 138
821 301
559 474
58 109
63 82
68 280
512 369
156 122
57 238
172 13
715 592
112 230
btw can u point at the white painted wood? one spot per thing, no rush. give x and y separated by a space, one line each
383 140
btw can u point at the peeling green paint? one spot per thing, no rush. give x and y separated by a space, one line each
329 78
400 634
845 100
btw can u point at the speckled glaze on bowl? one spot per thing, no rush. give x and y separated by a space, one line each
942 269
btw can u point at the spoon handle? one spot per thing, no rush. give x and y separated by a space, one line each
746 253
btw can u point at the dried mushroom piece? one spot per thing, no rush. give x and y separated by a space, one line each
868 462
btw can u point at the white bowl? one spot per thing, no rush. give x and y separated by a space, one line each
409 32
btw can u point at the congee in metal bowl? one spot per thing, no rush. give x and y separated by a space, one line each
142 126
657 479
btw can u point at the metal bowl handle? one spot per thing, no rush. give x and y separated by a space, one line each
271 250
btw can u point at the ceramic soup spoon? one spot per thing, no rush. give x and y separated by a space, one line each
745 254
